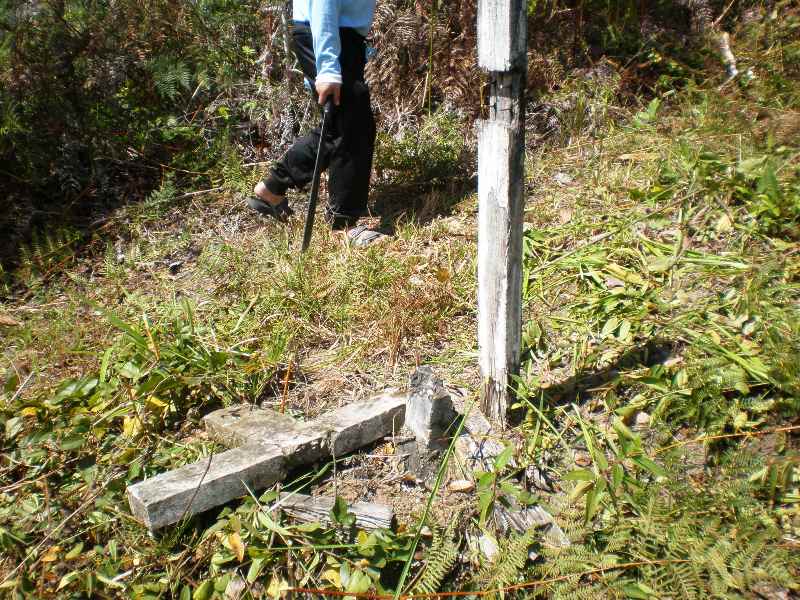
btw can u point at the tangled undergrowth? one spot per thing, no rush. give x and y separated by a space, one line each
659 389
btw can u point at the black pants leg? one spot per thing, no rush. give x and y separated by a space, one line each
348 148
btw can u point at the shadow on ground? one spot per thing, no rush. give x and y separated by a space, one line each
646 355
418 203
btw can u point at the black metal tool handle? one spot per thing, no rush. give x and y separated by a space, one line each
312 199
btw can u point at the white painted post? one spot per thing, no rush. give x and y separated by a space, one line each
502 30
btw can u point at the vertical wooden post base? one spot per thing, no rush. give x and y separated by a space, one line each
500 177
501 197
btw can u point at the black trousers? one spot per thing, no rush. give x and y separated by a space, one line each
348 147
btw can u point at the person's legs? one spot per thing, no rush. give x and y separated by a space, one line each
351 162
296 168
347 148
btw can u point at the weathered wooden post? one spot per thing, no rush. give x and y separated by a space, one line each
502 31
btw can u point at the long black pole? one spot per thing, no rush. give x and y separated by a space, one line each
312 199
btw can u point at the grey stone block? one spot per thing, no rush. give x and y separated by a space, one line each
369 515
166 498
355 425
269 452
244 423
430 414
520 520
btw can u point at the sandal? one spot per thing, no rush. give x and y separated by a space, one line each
364 236
280 212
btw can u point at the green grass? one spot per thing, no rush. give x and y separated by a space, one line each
658 391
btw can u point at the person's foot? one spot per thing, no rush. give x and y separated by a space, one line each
340 221
262 192
364 235
268 204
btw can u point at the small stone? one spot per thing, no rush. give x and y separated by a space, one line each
582 459
489 546
461 485
175 266
235 588
642 419
9 321
563 178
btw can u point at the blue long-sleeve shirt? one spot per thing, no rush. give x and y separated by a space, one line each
325 18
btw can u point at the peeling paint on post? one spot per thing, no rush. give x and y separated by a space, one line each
502 30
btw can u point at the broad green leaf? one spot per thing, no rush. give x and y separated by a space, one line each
340 513
623 431
74 552
580 490
73 442
266 521
638 591
502 459
67 579
659 264
768 183
624 330
333 576
750 166
14 426
593 499
580 475
486 480
359 583
617 473
649 465
485 501
130 371
609 326
204 590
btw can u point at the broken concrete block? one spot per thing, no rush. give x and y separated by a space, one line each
477 446
521 519
261 461
166 498
369 515
430 414
355 425
244 423
477 453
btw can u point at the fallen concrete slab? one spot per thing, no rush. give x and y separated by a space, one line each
317 509
355 425
243 423
166 498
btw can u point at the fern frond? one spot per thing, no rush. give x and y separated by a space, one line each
509 562
439 561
